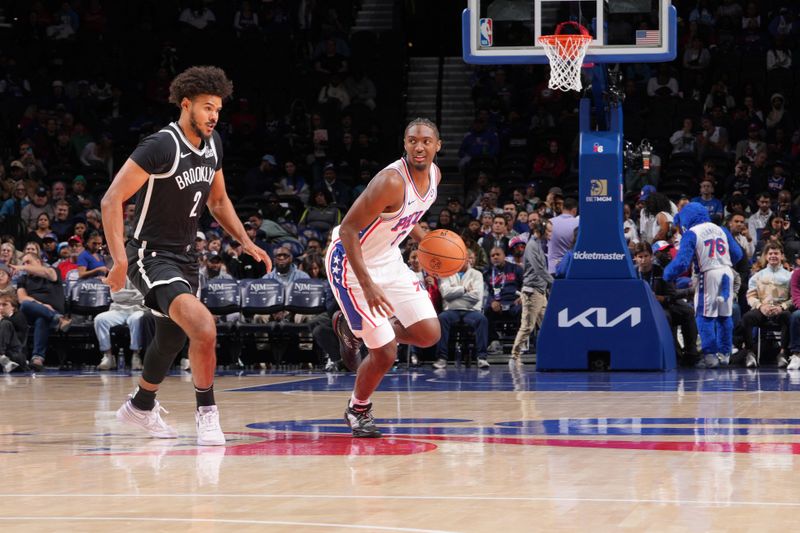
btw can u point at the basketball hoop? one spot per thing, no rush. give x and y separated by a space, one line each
565 53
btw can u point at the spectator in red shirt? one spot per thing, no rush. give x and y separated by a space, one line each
69 252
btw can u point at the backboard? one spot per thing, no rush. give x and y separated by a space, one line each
623 31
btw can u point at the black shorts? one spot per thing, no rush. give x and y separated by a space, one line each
162 275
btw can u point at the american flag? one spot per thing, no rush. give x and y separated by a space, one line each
648 37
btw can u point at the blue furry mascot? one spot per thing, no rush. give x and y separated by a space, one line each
713 251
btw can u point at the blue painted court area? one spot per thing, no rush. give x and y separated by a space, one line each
500 379
584 427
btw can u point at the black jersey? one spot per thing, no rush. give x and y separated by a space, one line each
170 204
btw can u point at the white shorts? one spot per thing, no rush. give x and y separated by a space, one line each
707 299
400 284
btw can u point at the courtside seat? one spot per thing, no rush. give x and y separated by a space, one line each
223 299
259 297
86 298
308 297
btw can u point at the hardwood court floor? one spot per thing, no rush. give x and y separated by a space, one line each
465 451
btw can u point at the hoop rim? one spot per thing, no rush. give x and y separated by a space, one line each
564 38
570 42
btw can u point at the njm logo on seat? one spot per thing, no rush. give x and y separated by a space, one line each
600 315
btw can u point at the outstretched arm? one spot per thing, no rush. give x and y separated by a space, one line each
684 257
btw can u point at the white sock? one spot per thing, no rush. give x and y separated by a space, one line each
355 401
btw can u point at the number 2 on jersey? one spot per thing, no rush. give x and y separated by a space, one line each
197 196
719 244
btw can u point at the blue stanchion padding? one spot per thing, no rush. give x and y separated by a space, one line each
621 317
601 251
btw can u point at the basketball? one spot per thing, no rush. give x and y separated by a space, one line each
442 252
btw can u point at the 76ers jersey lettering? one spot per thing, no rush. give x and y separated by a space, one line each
381 239
711 249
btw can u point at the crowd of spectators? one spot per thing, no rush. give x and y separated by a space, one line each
81 83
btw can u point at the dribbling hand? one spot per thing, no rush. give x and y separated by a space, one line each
378 303
116 277
258 254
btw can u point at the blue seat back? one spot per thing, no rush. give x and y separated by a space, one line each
221 296
307 296
89 297
261 296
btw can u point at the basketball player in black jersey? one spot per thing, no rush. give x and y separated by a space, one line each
174 174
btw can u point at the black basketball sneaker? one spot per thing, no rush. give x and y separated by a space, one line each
361 421
349 344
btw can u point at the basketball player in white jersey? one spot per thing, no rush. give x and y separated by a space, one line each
379 296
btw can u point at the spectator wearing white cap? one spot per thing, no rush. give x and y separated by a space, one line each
213 267
17 170
200 242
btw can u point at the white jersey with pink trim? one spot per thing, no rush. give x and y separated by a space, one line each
380 240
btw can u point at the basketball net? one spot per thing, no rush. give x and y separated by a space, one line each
565 52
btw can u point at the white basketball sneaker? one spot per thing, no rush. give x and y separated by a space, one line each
209 433
794 362
150 421
107 363
7 364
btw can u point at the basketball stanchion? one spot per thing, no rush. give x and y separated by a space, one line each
601 316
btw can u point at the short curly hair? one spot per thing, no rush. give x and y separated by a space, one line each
200 80
420 121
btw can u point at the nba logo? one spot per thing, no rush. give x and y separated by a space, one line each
486 32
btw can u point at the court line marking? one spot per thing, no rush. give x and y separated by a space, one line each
222 521
299 379
403 497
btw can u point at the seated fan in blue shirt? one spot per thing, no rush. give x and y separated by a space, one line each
707 199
